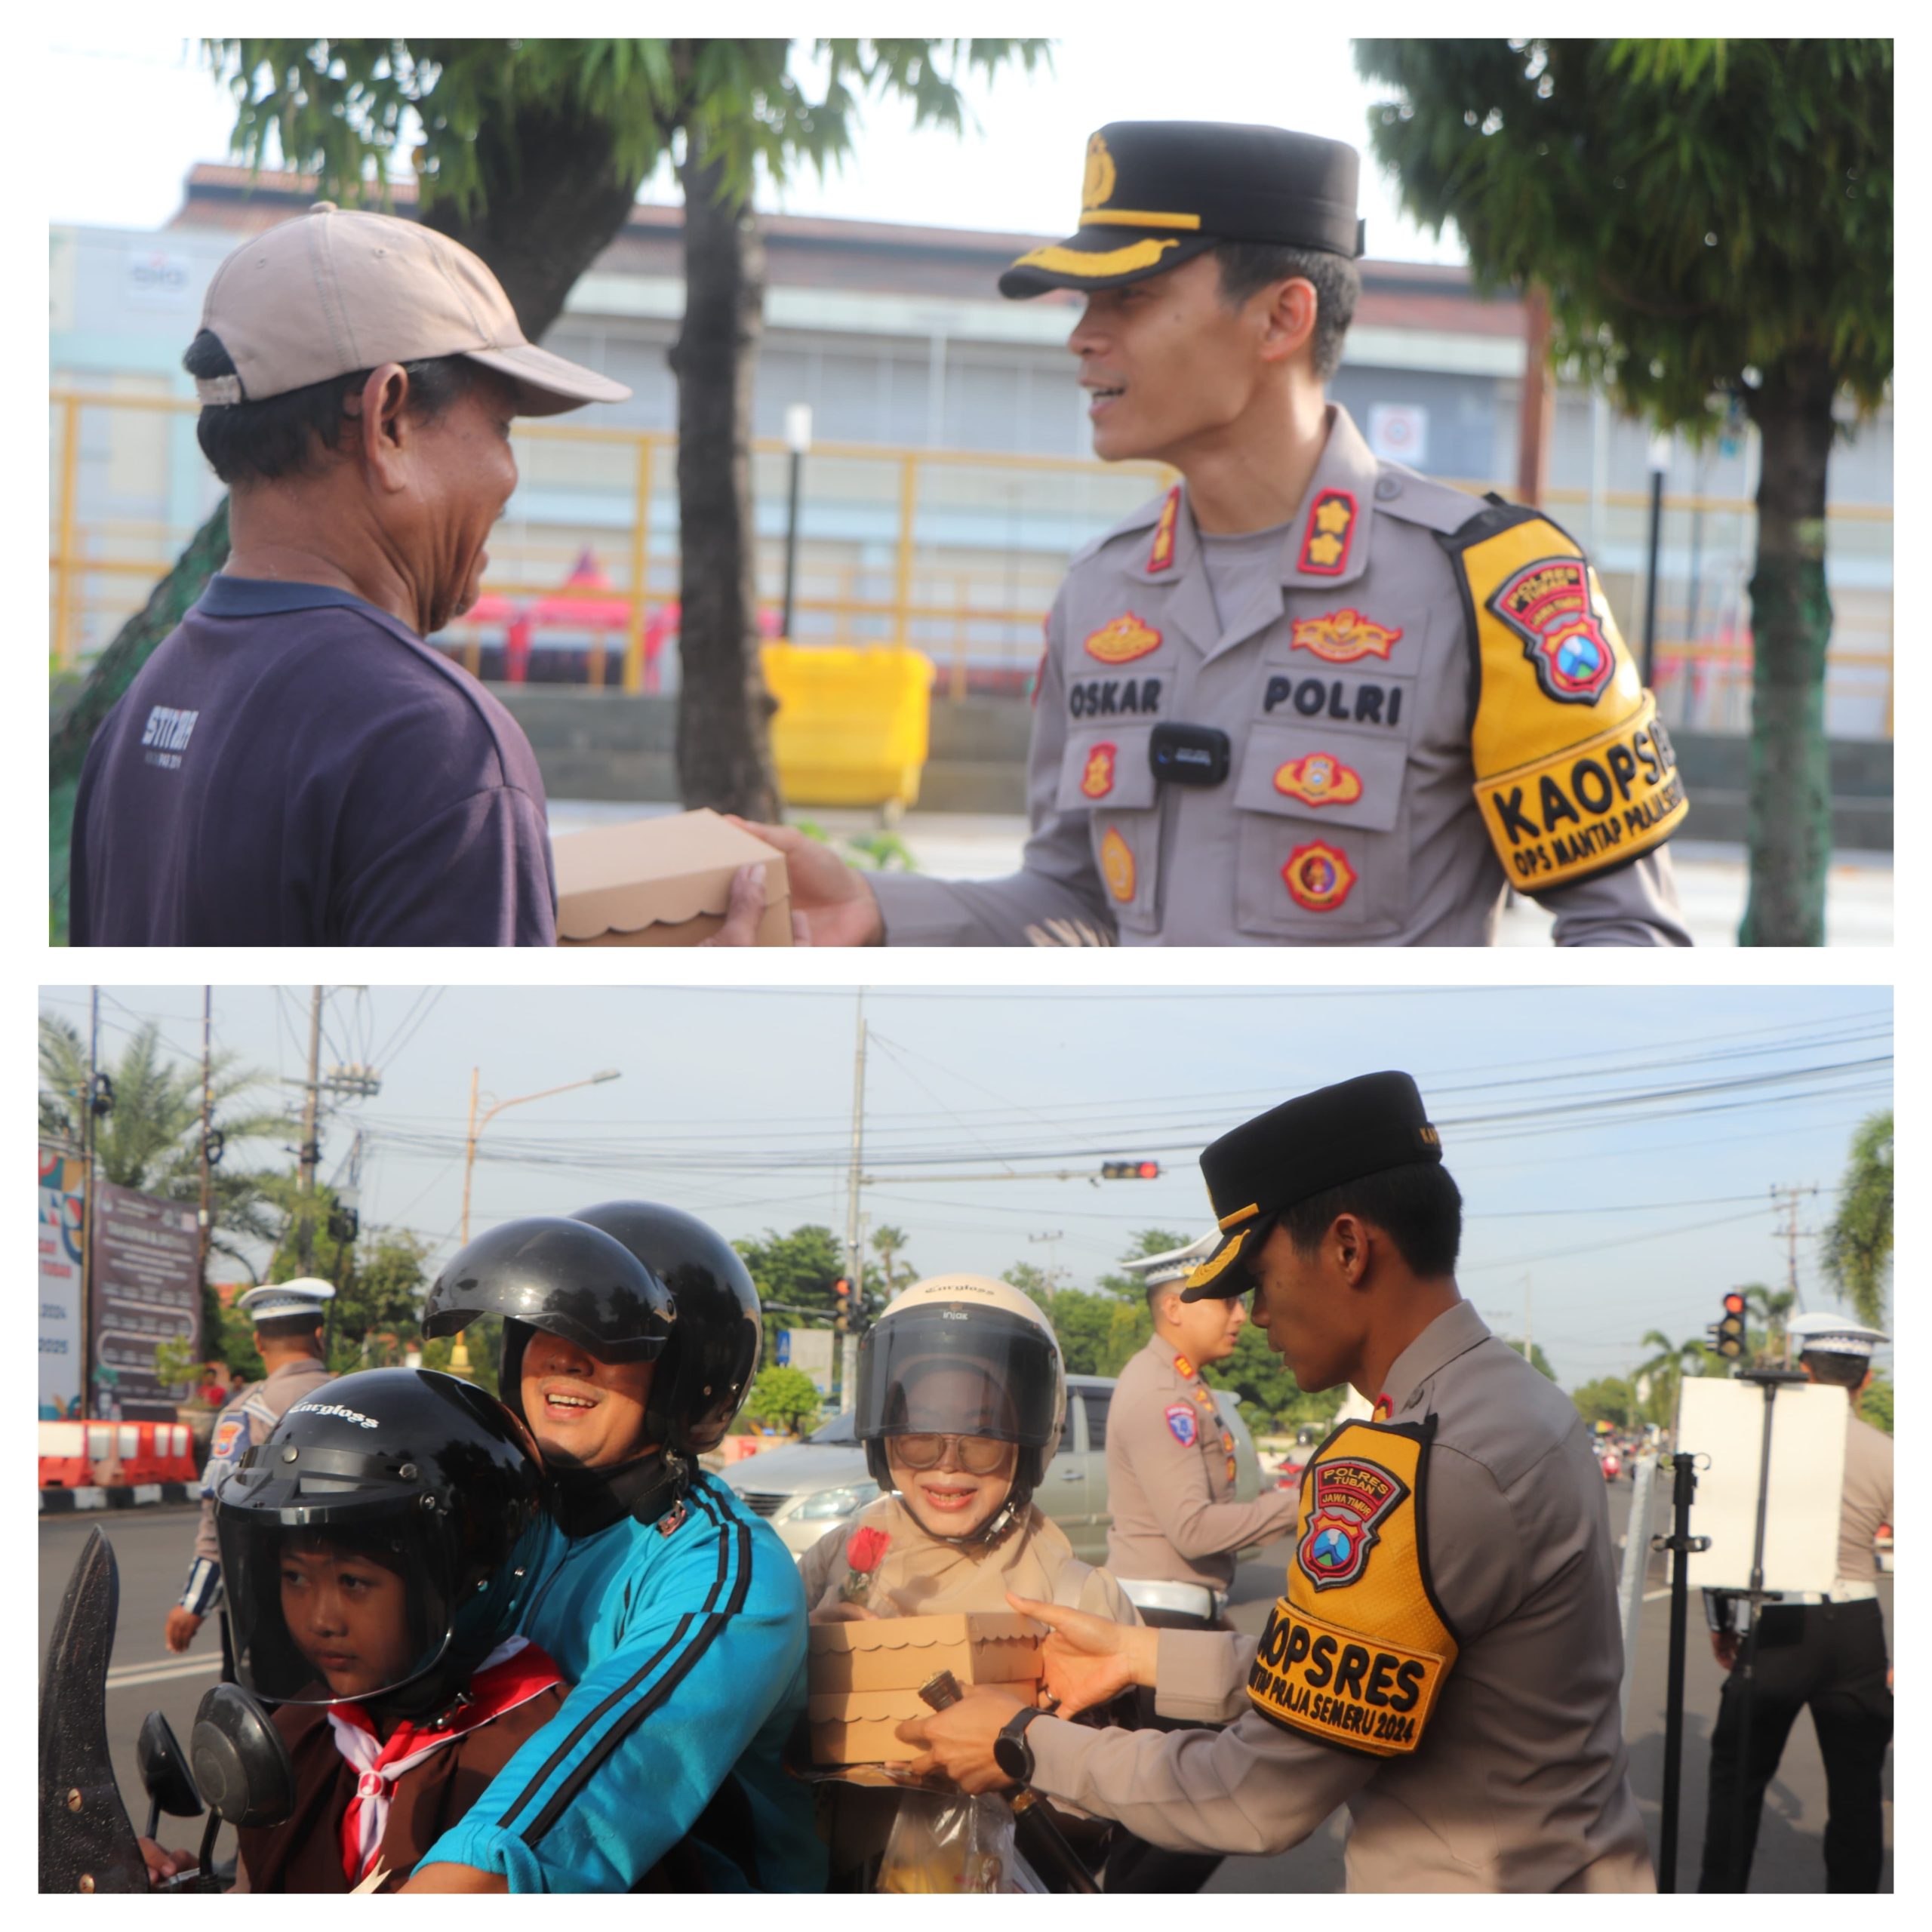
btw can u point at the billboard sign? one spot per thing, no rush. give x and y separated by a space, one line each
63 1188
147 1290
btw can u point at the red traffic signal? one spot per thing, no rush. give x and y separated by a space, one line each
1130 1170
842 1303
1727 1336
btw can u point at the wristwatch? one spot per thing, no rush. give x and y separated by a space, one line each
1011 1752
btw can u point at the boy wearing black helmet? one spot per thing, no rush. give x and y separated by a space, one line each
631 1333
377 1549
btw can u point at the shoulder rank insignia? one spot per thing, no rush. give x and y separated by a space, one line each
1096 776
1160 555
1183 1368
1331 523
1181 1425
1319 779
1117 865
1574 773
1318 877
1362 1668
1123 640
1343 636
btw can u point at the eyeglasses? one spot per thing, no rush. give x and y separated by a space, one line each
978 1455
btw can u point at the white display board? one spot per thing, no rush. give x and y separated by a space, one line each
1724 1420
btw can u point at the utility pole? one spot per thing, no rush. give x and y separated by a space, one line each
310 1153
1056 1235
854 1257
207 1123
1785 1200
88 1204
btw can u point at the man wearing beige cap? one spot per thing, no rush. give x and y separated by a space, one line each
294 766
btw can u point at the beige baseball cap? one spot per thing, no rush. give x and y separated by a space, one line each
333 291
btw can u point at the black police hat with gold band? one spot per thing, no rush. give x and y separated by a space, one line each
1157 192
1301 1149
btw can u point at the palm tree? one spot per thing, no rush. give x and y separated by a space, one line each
1667 1369
1857 1256
889 1244
150 1140
1773 1305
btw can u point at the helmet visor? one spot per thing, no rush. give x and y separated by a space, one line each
956 1368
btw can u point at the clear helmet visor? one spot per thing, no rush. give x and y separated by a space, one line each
958 1369
347 1606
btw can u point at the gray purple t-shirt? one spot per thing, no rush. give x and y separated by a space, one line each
295 767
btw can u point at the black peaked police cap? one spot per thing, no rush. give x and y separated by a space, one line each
1302 1148
1157 192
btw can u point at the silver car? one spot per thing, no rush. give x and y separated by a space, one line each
819 1483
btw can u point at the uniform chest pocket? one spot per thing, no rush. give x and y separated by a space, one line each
1104 772
1321 843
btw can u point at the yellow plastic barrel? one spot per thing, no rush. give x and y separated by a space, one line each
853 722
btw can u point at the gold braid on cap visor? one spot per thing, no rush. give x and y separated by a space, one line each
1217 1265
1057 261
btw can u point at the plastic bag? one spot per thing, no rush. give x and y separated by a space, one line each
948 1842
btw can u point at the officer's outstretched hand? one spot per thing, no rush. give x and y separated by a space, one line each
1089 1659
839 905
179 1630
746 908
958 1740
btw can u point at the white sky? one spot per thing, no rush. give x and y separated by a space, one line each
736 1105
1019 171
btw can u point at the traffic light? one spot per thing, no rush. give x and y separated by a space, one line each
1727 1336
1130 1170
843 1305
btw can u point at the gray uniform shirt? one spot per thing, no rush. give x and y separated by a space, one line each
1170 1490
1868 1499
1366 663
247 1419
1520 1783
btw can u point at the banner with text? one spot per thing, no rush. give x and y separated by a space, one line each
146 1291
63 1187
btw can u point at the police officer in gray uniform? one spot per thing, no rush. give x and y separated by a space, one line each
1827 1652
287 1317
1305 697
1446 1659
1176 1524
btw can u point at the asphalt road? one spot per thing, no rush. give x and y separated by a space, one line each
151 1548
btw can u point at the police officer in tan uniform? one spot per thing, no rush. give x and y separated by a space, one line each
1176 1523
1171 1463
287 1317
1446 1660
1825 1652
1305 697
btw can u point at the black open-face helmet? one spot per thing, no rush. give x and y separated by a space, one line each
705 1371
385 1534
564 1277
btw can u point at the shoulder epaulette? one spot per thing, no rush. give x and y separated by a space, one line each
1143 518
1410 497
1574 775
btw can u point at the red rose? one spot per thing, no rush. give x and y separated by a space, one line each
862 1554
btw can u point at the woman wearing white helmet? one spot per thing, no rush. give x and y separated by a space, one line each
961 1396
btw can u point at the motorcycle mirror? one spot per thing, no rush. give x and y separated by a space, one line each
165 1776
240 1761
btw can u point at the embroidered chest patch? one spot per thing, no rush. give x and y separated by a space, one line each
1342 636
1351 1496
1318 877
1123 640
1096 776
1181 1425
1319 779
1117 865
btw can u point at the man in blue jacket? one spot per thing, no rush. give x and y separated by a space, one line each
631 1334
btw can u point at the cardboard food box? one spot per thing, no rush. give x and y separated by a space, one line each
863 1679
663 881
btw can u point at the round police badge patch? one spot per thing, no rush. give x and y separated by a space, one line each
1181 1425
1351 1495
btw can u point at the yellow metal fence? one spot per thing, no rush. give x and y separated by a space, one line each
974 602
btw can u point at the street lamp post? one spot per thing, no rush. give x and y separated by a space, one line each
798 441
477 1123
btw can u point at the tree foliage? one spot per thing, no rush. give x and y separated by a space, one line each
1695 210
796 1270
1856 1253
1609 1398
784 1398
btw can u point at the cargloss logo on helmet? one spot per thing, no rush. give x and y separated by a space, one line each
333 1409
